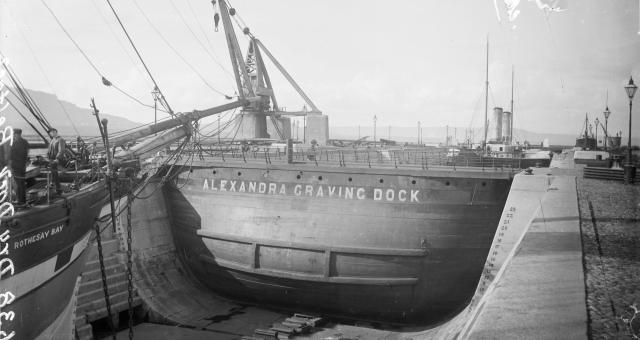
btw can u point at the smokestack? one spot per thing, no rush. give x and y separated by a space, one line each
497 123
507 134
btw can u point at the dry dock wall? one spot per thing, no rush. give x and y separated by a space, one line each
532 286
533 281
169 293
541 293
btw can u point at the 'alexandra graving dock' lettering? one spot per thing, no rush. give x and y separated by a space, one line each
316 190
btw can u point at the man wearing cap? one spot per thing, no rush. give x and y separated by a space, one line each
18 161
57 145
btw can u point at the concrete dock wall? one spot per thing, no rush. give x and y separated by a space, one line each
532 284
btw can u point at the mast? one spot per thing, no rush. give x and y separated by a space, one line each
486 98
180 120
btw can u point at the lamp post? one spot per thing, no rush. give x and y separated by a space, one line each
629 170
156 96
375 119
606 126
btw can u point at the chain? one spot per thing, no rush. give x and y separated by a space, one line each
129 274
105 288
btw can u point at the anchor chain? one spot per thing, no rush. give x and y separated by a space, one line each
105 288
105 138
129 265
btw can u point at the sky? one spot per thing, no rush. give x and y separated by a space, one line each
403 61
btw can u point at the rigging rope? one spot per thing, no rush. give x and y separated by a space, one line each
48 81
115 37
215 59
93 66
163 100
178 53
28 122
24 100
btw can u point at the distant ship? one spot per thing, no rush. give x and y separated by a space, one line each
586 140
498 149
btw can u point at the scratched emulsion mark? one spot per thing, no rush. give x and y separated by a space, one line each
6 209
547 6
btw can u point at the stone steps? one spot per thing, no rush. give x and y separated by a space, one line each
84 332
109 246
96 274
92 285
91 295
95 264
91 305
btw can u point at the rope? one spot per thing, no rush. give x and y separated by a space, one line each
48 81
93 66
137 100
25 101
163 100
176 51
28 122
226 71
113 34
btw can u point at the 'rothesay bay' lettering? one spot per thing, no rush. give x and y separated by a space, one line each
315 190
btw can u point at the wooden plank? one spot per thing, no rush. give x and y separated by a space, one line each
314 247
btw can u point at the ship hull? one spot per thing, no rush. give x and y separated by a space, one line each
372 244
47 247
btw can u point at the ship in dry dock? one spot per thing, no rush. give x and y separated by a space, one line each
387 235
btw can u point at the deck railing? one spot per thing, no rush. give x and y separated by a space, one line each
424 158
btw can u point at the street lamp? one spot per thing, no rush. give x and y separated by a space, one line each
629 170
606 126
375 119
156 96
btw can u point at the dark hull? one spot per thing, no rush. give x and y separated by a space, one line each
41 306
405 247
47 248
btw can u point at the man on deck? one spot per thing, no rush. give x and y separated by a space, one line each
18 161
57 145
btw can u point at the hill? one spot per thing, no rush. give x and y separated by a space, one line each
52 108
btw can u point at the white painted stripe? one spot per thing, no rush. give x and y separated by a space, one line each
62 327
24 282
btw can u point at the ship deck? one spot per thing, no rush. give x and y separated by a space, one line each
429 162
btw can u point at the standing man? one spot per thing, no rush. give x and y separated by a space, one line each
18 161
57 145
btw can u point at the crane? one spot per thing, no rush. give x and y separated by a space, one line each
252 79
